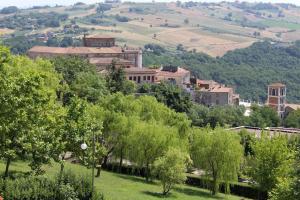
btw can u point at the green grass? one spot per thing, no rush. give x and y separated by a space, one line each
123 187
281 24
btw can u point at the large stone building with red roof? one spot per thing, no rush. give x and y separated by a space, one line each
100 50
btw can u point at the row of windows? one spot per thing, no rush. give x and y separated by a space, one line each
139 78
274 92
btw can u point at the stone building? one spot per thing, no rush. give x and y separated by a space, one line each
179 76
98 41
98 49
211 93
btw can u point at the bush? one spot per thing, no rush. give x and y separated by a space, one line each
66 186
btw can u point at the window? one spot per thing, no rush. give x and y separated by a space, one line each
274 92
148 78
144 78
130 78
139 79
282 92
134 78
152 78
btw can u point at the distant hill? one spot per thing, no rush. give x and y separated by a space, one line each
250 70
211 28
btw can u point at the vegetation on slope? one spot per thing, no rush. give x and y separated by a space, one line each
250 69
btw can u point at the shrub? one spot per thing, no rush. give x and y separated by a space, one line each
66 186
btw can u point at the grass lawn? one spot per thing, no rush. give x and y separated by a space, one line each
123 187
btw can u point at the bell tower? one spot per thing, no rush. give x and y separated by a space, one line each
277 98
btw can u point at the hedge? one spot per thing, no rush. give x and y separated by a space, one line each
238 189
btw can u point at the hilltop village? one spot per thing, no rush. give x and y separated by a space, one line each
102 51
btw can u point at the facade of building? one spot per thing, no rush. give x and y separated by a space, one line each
98 41
98 49
141 75
277 98
180 77
211 93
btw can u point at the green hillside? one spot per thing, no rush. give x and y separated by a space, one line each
250 70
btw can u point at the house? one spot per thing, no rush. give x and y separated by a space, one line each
176 75
211 93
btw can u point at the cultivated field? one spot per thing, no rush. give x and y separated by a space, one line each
210 28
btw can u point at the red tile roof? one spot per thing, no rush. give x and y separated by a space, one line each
75 50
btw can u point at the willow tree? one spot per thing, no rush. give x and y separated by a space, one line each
149 141
219 153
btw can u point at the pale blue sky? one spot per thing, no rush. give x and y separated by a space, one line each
30 3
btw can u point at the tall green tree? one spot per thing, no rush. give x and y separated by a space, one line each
219 153
116 80
81 79
29 111
272 160
148 142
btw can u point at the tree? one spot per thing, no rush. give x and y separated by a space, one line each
263 117
231 116
89 86
186 21
120 114
272 161
81 122
219 153
81 78
116 80
171 168
148 142
29 111
172 96
288 188
293 119
9 10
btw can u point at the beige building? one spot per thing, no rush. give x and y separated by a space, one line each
180 77
141 75
98 49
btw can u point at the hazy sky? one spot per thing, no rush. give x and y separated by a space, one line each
30 3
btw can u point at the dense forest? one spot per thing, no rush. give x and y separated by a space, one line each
249 70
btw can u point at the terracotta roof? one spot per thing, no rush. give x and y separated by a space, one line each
293 106
75 50
137 70
277 85
98 60
222 89
180 72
